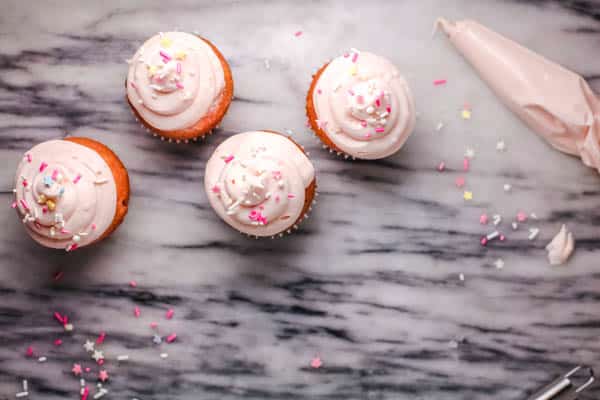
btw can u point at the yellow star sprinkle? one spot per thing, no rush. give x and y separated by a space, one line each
180 55
466 114
152 70
352 70
166 42
468 195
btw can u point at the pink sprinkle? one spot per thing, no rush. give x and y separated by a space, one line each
133 85
379 129
57 342
257 216
216 189
438 82
316 363
346 55
170 313
28 156
59 318
319 91
483 220
72 247
483 241
388 109
363 124
14 204
24 182
43 166
502 238
377 103
65 231
466 164
101 338
153 325
58 276
179 68
44 210
24 204
171 338
136 312
29 352
291 196
441 166
87 369
100 361
228 159
93 227
165 56
460 182
298 33
133 284
354 57
368 135
179 85
521 216
85 393
54 174
77 178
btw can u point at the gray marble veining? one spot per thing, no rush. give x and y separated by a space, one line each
370 283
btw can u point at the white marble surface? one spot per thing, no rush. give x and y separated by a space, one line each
371 280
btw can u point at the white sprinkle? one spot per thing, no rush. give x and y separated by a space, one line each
493 235
461 277
101 181
267 63
533 216
499 263
82 382
101 393
21 394
42 359
515 226
533 232
497 218
25 385
470 153
507 187
76 238
163 355
501 146
123 358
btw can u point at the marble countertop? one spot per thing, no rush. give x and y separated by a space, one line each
386 282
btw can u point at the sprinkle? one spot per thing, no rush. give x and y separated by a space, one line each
466 114
136 312
164 355
291 196
28 157
514 226
14 204
507 187
43 166
157 339
467 195
352 70
493 235
379 129
100 393
466 164
439 82
88 346
179 85
439 126
533 232
461 277
22 394
497 218
57 342
354 57
93 227
319 91
77 178
123 358
76 370
24 204
103 375
363 123
533 216
170 313
298 33
82 381
499 263
441 166
215 189
54 175
133 284
60 318
166 42
72 247
165 56
85 393
228 159
171 338
388 109
42 359
459 182
470 153
502 238
101 338
501 146
24 182
180 55
521 216
68 327
483 241
179 68
97 355
483 220
153 325
316 363
25 385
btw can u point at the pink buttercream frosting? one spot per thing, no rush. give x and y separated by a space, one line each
65 193
256 182
174 80
554 102
364 105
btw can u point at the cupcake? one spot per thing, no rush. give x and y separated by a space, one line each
261 183
360 106
71 193
179 86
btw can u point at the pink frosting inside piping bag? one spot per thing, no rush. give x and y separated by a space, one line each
554 102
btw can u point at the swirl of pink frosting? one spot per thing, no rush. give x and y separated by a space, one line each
65 194
256 182
364 105
174 80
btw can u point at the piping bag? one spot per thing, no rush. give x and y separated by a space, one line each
554 102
